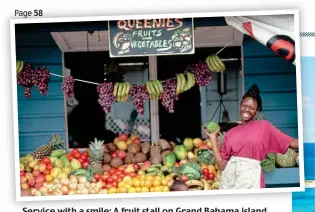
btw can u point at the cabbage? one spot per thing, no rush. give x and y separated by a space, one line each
205 156
192 170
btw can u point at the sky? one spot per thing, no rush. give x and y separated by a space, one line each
308 98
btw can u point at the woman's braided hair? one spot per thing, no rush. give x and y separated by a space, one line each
254 93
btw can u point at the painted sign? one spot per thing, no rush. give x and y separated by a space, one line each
151 37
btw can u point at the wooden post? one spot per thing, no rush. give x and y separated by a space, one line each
154 104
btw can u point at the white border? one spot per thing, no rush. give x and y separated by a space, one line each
152 194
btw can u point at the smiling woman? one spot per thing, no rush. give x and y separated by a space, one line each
246 145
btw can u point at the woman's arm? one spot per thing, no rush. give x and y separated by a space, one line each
294 143
221 163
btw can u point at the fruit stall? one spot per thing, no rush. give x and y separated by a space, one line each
224 62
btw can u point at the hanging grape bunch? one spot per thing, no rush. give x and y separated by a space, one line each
106 96
25 79
41 79
68 86
201 72
139 95
169 95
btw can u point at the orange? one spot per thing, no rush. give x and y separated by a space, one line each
151 178
136 182
127 178
138 189
123 190
159 178
142 183
156 183
152 189
112 190
164 182
49 178
132 190
158 188
145 189
148 183
168 177
165 189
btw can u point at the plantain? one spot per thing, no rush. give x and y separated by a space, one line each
179 84
120 88
216 64
207 61
190 81
21 66
159 84
157 88
194 184
148 87
154 91
128 88
18 65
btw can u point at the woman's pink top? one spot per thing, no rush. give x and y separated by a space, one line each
255 140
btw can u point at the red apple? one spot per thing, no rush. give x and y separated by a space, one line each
137 167
25 186
121 154
137 141
146 165
28 175
22 173
204 146
123 137
36 173
23 179
31 182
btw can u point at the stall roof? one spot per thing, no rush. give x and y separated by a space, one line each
99 25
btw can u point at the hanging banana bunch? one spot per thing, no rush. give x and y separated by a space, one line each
19 65
121 91
215 64
155 89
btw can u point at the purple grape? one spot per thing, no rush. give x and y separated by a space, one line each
202 73
169 95
139 95
30 77
106 96
68 86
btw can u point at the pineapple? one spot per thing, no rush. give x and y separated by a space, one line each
96 152
55 142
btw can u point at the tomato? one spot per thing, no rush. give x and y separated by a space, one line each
75 151
108 186
211 176
49 166
97 177
177 164
83 157
85 165
121 168
70 158
118 172
114 184
46 160
85 153
206 175
205 171
112 170
103 185
104 177
77 155
114 176
136 166
110 180
81 161
184 178
119 179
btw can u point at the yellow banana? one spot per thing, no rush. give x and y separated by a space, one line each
148 87
157 88
154 91
116 88
215 59
207 61
128 88
183 83
159 83
221 64
120 88
206 185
